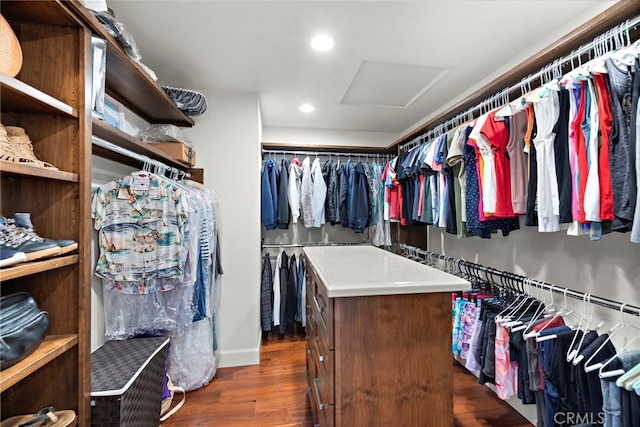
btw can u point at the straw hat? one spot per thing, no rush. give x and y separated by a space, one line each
10 51
20 149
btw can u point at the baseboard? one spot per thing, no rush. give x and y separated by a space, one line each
239 358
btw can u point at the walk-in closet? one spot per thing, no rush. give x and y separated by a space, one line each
276 213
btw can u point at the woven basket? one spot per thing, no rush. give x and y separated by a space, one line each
10 51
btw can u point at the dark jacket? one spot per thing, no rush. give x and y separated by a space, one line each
359 207
330 176
283 196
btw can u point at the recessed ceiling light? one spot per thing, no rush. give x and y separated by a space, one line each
322 42
307 108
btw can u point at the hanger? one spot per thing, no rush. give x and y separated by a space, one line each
630 378
536 315
607 374
562 312
588 367
574 351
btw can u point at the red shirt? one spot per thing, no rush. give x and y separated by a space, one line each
604 168
497 134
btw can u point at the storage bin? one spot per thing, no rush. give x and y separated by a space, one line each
126 382
177 150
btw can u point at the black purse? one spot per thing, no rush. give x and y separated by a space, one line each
23 327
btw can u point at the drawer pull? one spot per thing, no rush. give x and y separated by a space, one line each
322 358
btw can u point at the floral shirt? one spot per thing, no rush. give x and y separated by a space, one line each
140 220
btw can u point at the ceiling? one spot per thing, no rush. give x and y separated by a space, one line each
395 63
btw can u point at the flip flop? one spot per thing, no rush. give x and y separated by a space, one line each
48 417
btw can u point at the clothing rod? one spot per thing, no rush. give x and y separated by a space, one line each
604 302
326 153
602 42
302 245
140 157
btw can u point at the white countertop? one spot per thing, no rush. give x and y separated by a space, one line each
349 271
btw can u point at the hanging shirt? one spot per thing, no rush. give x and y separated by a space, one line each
319 194
487 168
590 128
306 193
561 154
283 196
269 194
496 133
635 230
547 111
140 220
515 152
622 174
295 184
574 100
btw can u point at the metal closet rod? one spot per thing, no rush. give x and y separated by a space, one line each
490 271
140 157
302 245
327 153
601 44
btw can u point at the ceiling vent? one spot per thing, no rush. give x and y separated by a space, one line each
391 85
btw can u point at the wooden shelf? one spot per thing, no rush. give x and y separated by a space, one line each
52 347
103 130
27 268
19 97
27 170
129 83
43 12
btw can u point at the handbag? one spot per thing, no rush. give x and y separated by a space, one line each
23 327
166 402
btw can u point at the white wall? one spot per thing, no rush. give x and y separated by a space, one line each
298 137
227 142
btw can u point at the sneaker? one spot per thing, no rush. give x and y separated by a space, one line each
23 222
10 257
13 238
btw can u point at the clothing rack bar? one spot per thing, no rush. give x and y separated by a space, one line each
604 41
327 153
158 165
302 245
523 280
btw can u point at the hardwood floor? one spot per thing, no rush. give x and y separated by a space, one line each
274 394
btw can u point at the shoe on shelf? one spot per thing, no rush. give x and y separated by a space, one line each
9 257
13 238
22 220
17 147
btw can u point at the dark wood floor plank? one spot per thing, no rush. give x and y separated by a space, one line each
274 393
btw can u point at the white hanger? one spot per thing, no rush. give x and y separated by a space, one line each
607 374
527 333
571 351
575 351
536 315
510 323
588 367
562 312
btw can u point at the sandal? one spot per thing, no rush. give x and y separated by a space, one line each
48 417
17 147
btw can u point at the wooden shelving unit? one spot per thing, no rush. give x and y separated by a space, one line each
47 99
52 107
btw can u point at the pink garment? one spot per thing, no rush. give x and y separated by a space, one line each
506 370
